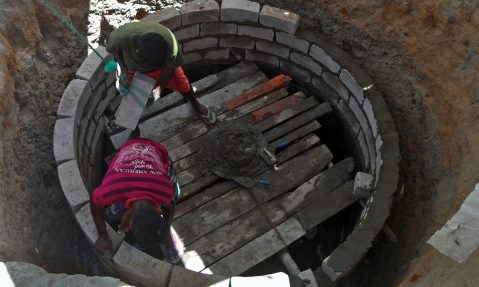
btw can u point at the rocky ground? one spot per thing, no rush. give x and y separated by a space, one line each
421 54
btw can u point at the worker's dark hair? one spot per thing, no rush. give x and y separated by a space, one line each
152 48
148 226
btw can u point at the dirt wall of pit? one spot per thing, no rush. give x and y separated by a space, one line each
37 57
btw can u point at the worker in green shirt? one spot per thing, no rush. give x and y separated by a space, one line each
152 49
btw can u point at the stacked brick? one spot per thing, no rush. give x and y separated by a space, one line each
225 33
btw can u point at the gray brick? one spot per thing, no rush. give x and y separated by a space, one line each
199 11
120 138
378 144
63 140
72 184
372 149
83 127
358 112
349 117
368 109
349 81
379 163
297 72
199 44
141 268
169 17
271 48
335 83
324 91
187 33
292 41
110 79
115 103
208 29
90 133
85 220
280 19
184 277
100 109
97 144
96 96
325 59
364 149
93 69
307 62
269 60
192 57
131 107
220 54
77 91
237 42
256 32
239 11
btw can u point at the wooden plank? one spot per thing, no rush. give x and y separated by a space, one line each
229 237
213 214
327 206
259 249
185 163
208 84
198 128
203 181
172 120
296 134
283 156
297 148
310 191
203 197
275 108
254 105
286 114
293 173
271 85
289 262
298 121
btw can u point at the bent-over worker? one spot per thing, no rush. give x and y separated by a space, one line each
140 189
152 49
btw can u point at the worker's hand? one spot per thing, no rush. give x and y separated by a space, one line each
104 245
124 81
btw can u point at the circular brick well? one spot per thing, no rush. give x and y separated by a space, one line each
216 34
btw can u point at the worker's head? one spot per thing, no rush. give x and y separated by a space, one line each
152 48
148 226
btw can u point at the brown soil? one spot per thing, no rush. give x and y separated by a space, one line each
421 54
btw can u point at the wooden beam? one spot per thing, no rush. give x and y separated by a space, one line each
328 206
296 134
312 190
298 121
169 122
275 108
259 249
274 84
213 214
208 84
224 240
286 114
203 197
293 173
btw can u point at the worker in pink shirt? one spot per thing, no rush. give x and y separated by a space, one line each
138 191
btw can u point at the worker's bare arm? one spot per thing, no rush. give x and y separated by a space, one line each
103 244
166 77
118 56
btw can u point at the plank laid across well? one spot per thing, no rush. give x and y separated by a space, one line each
172 120
205 85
